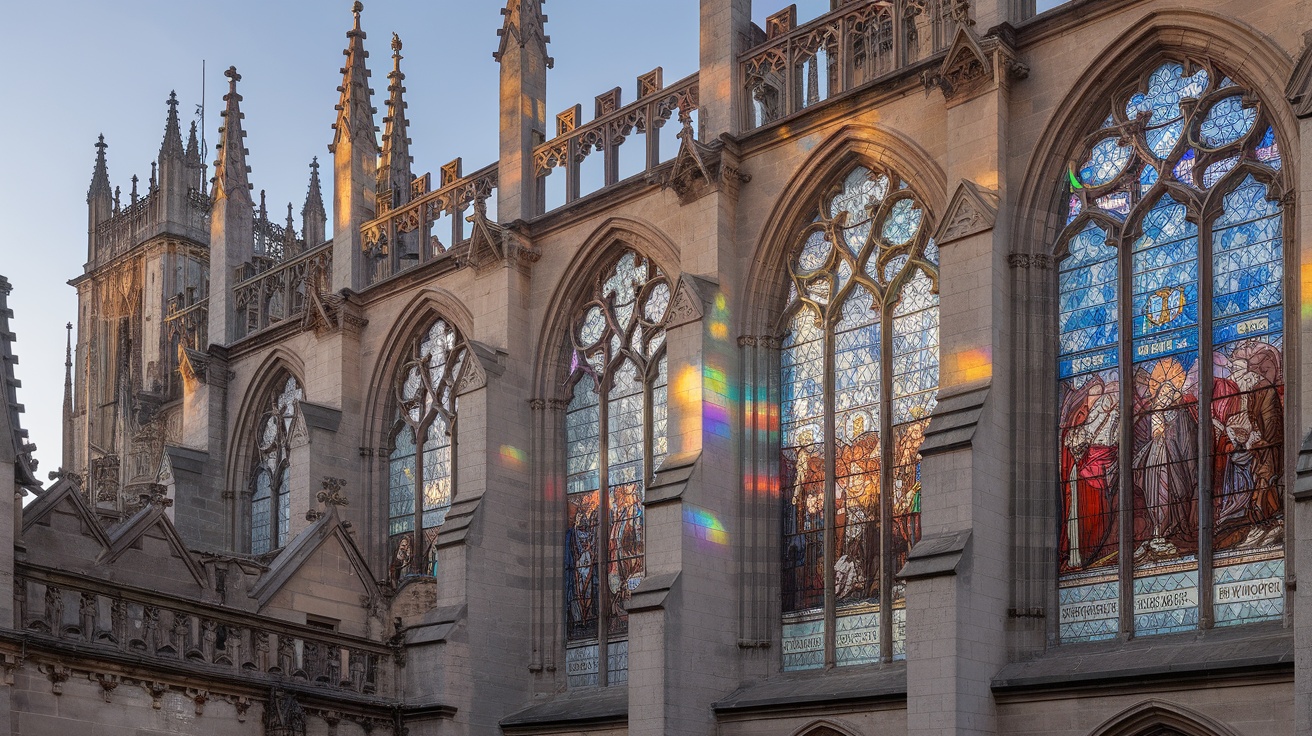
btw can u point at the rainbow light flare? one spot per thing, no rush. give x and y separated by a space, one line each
512 458
705 526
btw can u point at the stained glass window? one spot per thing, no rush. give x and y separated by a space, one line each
1170 362
420 473
270 503
859 365
619 381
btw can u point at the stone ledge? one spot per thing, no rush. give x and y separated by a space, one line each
842 685
590 706
1229 652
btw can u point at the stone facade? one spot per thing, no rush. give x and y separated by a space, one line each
222 552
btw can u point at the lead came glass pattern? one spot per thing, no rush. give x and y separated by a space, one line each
859 353
420 476
270 500
1147 358
619 381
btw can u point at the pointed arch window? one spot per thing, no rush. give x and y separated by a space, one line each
618 381
270 501
860 364
1171 364
421 469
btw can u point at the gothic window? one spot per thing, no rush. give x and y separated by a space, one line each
1171 364
421 468
618 381
859 379
270 502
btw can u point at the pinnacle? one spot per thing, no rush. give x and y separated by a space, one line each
355 112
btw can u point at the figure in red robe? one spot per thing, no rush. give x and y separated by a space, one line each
1090 421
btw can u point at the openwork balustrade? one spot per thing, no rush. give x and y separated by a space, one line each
610 129
413 233
858 42
282 291
143 219
210 637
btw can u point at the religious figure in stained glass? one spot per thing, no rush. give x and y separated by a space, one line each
619 382
421 474
859 364
270 499
1171 340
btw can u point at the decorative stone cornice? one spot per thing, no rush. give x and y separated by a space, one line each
1040 261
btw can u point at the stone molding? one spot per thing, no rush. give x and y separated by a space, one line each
935 555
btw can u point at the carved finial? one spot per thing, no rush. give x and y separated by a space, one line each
100 175
172 145
396 44
134 189
233 78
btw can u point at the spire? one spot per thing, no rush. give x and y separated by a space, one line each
355 110
394 169
100 175
313 215
525 24
172 145
67 460
289 245
231 174
193 145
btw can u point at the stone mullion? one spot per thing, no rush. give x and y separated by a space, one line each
1205 612
886 471
831 515
1125 364
603 529
416 534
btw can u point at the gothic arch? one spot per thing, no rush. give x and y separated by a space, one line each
605 243
380 406
825 727
850 145
1160 718
1184 35
279 365
1251 57
423 308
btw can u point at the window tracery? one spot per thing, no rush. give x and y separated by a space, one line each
618 380
426 408
1170 363
270 501
859 365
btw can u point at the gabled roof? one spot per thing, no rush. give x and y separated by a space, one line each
302 548
65 494
125 536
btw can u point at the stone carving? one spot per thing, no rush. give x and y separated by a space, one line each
971 210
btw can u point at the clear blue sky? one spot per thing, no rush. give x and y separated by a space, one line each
78 68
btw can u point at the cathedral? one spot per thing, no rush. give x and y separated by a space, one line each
918 369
